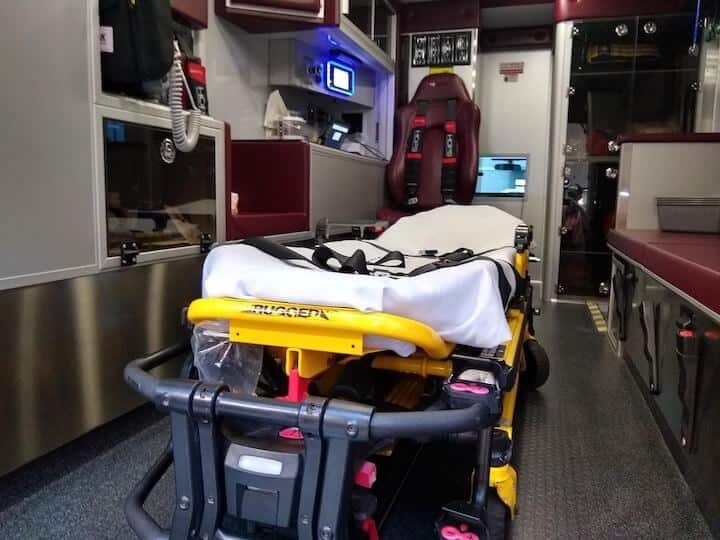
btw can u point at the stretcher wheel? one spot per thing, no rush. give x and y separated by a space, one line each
537 365
498 517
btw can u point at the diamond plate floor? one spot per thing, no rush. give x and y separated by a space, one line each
590 460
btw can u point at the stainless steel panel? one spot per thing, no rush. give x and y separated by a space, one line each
47 210
65 344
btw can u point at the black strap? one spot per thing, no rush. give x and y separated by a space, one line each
356 263
448 177
413 155
274 249
464 256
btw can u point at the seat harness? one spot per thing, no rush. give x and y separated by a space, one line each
414 153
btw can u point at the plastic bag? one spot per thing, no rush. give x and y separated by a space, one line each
219 360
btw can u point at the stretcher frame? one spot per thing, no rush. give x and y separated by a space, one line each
311 340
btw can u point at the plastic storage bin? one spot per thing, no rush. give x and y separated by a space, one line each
689 214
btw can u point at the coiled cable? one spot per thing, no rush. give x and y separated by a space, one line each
184 136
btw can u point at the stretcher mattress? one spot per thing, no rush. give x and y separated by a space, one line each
462 303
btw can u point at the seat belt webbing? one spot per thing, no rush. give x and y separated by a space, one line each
448 178
414 155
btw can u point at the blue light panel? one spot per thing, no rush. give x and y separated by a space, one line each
339 78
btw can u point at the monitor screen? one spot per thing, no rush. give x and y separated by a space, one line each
502 176
340 78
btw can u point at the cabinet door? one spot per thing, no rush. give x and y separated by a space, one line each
156 196
279 15
311 6
664 41
588 214
666 71
193 11
604 46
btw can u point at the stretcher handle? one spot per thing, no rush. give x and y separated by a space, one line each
162 393
429 423
136 372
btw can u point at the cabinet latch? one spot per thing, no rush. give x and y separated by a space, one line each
206 242
129 252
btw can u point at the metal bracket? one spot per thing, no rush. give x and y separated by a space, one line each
523 237
206 242
649 322
310 424
129 252
690 364
203 411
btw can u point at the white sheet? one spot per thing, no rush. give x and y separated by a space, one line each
461 303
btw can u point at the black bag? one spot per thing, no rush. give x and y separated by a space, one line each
142 42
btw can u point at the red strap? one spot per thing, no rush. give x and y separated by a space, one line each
413 155
418 121
370 528
449 160
450 126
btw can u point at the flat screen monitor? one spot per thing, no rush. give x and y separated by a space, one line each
340 78
335 134
502 176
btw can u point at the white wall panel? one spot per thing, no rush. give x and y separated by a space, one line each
516 120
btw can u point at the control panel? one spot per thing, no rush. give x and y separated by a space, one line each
297 64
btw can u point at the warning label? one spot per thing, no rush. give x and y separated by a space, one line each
511 70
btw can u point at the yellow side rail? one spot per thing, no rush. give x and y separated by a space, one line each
317 328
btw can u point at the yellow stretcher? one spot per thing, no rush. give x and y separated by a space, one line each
313 339
315 346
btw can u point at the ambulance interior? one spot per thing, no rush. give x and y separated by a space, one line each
360 269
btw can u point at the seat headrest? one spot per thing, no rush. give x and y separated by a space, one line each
441 86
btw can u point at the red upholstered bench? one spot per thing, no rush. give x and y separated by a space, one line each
689 262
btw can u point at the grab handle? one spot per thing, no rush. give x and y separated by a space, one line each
136 372
428 423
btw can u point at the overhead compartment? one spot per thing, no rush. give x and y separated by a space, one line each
279 15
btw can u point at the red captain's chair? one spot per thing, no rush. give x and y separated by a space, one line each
435 160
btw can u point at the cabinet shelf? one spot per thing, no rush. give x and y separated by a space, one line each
631 72
593 159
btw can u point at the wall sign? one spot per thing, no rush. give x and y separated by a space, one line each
511 70
441 49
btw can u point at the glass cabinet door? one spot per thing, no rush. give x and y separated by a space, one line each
375 18
604 46
360 14
598 111
383 28
628 75
155 195
590 189
664 41
665 86
599 104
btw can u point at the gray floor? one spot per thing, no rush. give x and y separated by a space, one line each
591 461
